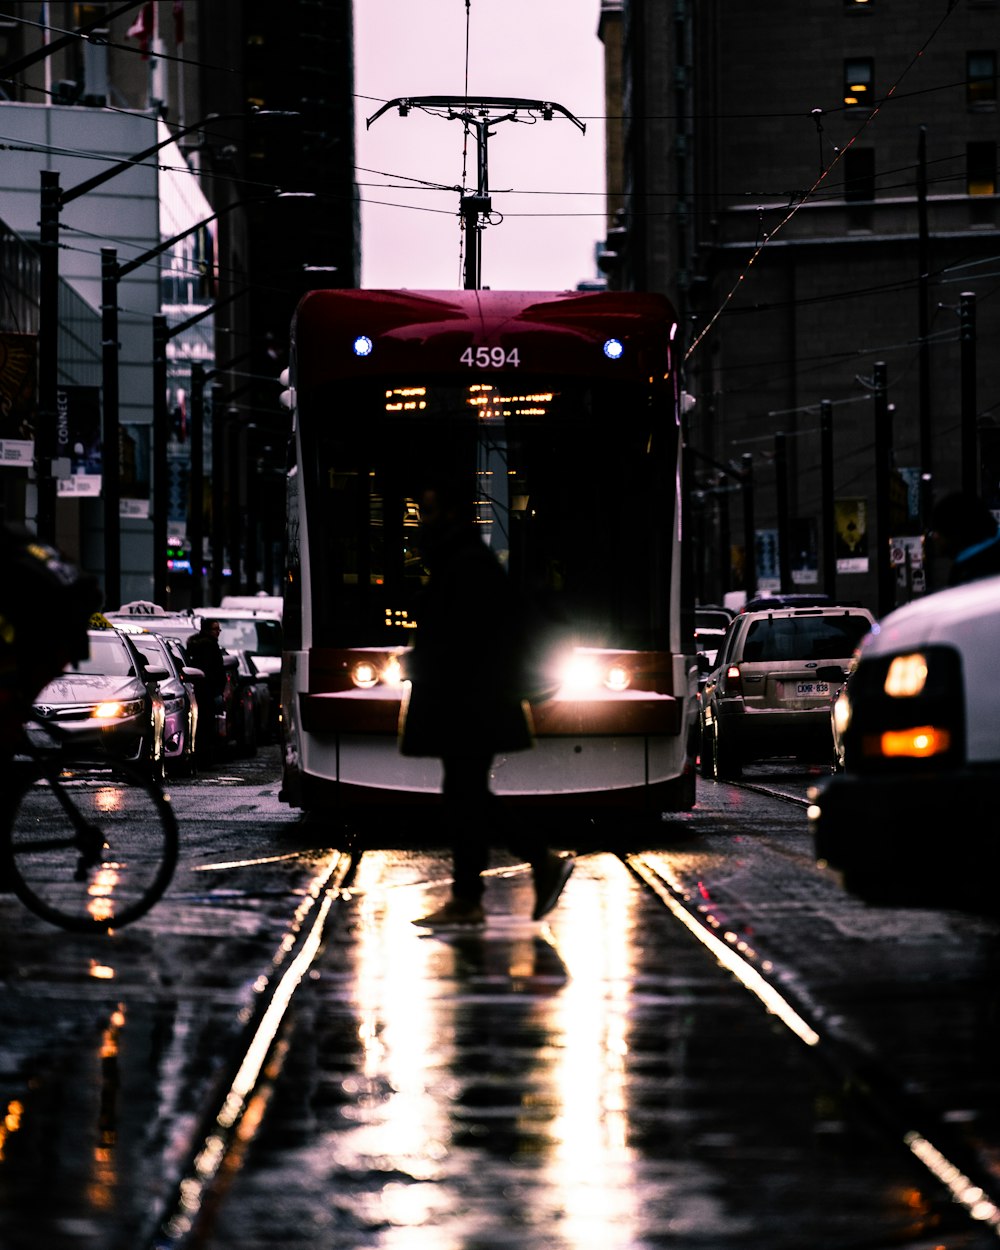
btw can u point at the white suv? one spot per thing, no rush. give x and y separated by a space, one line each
913 819
770 691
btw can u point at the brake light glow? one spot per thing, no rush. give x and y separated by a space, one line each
734 680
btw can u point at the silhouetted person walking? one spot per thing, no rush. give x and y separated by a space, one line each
204 652
464 718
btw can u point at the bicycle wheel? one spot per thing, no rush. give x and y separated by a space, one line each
92 844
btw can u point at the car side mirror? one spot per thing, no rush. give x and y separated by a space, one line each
195 674
156 674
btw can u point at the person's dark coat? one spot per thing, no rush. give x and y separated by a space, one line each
204 652
466 666
979 560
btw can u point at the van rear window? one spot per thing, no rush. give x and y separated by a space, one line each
803 638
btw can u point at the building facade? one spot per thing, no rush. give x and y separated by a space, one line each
815 187
247 204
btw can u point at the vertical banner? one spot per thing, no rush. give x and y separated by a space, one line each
18 397
78 410
851 535
135 466
768 573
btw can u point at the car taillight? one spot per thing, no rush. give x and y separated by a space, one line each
907 711
919 743
734 680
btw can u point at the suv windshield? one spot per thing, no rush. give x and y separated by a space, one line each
803 638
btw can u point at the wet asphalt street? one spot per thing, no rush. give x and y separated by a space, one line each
264 1064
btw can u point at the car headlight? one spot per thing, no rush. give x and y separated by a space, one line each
842 713
116 710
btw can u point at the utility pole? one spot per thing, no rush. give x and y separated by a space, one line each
52 201
923 313
478 114
781 489
970 432
749 528
883 468
829 558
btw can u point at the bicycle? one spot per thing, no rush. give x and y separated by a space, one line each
87 842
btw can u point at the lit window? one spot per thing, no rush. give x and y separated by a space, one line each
859 174
981 168
859 79
981 81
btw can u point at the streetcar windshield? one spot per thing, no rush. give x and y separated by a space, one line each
573 485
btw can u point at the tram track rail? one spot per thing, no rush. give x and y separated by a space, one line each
239 1098
972 1186
969 1193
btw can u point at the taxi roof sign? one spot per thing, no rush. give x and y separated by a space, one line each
142 607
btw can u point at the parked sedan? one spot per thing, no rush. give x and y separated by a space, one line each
257 632
180 706
251 704
912 819
109 699
770 691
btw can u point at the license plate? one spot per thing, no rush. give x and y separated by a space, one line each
812 687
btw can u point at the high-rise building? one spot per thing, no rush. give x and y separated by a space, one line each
815 187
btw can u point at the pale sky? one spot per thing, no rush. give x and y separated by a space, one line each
537 49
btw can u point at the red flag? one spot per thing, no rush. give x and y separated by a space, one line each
142 29
179 21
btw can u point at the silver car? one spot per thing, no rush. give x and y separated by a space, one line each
769 693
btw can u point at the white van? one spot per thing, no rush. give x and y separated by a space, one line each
271 604
912 820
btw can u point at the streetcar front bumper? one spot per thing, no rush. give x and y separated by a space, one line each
911 839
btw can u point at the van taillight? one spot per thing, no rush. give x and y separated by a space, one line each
734 682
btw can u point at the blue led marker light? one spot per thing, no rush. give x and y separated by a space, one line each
613 349
362 345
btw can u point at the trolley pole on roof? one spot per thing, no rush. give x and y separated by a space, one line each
478 114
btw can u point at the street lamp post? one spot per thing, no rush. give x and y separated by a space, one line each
53 200
112 272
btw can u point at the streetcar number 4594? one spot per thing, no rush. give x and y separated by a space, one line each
490 357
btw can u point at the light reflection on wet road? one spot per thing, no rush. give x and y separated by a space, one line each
594 1083
597 1081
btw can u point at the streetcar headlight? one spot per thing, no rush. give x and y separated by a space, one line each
392 674
617 678
364 675
581 674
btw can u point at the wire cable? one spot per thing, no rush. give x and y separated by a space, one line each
824 174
